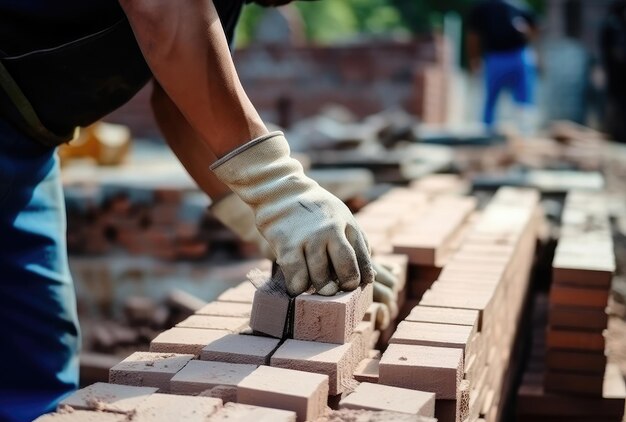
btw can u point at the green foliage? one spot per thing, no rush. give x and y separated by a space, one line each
329 21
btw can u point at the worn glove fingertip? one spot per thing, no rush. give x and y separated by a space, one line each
329 289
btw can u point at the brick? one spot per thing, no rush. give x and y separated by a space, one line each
362 338
563 382
443 315
575 340
577 318
575 276
271 308
226 309
446 410
336 361
235 412
168 407
360 415
330 319
146 369
185 340
443 300
573 296
242 293
233 325
428 334
235 348
575 362
434 369
279 388
82 416
199 376
367 370
382 397
108 397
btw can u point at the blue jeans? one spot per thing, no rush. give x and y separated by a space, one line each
39 332
511 70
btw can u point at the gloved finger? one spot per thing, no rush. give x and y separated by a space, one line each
385 296
361 250
345 263
296 273
265 248
319 269
381 317
384 276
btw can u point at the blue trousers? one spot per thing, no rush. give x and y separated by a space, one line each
514 71
39 332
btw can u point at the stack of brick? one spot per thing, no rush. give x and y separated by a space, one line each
534 403
447 358
583 268
142 217
458 341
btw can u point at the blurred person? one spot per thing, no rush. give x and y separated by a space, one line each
501 31
613 49
67 64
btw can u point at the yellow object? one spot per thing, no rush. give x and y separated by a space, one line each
105 143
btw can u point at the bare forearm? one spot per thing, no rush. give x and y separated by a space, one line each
185 47
188 146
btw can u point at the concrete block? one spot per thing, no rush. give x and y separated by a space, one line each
82 416
429 334
382 397
271 307
367 371
226 309
336 361
108 397
301 392
235 412
168 407
443 315
242 293
231 324
434 369
235 348
146 369
199 376
330 319
185 340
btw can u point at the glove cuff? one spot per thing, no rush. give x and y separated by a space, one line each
244 148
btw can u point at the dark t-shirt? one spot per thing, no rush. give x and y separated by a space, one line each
27 25
75 60
501 24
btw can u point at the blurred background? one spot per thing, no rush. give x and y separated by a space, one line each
372 94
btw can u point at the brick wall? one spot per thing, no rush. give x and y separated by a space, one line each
288 83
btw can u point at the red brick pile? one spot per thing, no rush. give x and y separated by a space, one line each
575 382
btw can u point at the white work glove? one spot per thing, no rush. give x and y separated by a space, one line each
312 233
238 217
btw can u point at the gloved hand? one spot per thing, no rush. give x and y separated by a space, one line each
238 217
312 233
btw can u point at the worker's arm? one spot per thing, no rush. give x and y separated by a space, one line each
185 142
312 233
184 44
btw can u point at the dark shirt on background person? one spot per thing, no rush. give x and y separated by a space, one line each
502 25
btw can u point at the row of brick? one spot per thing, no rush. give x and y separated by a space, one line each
583 269
458 340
